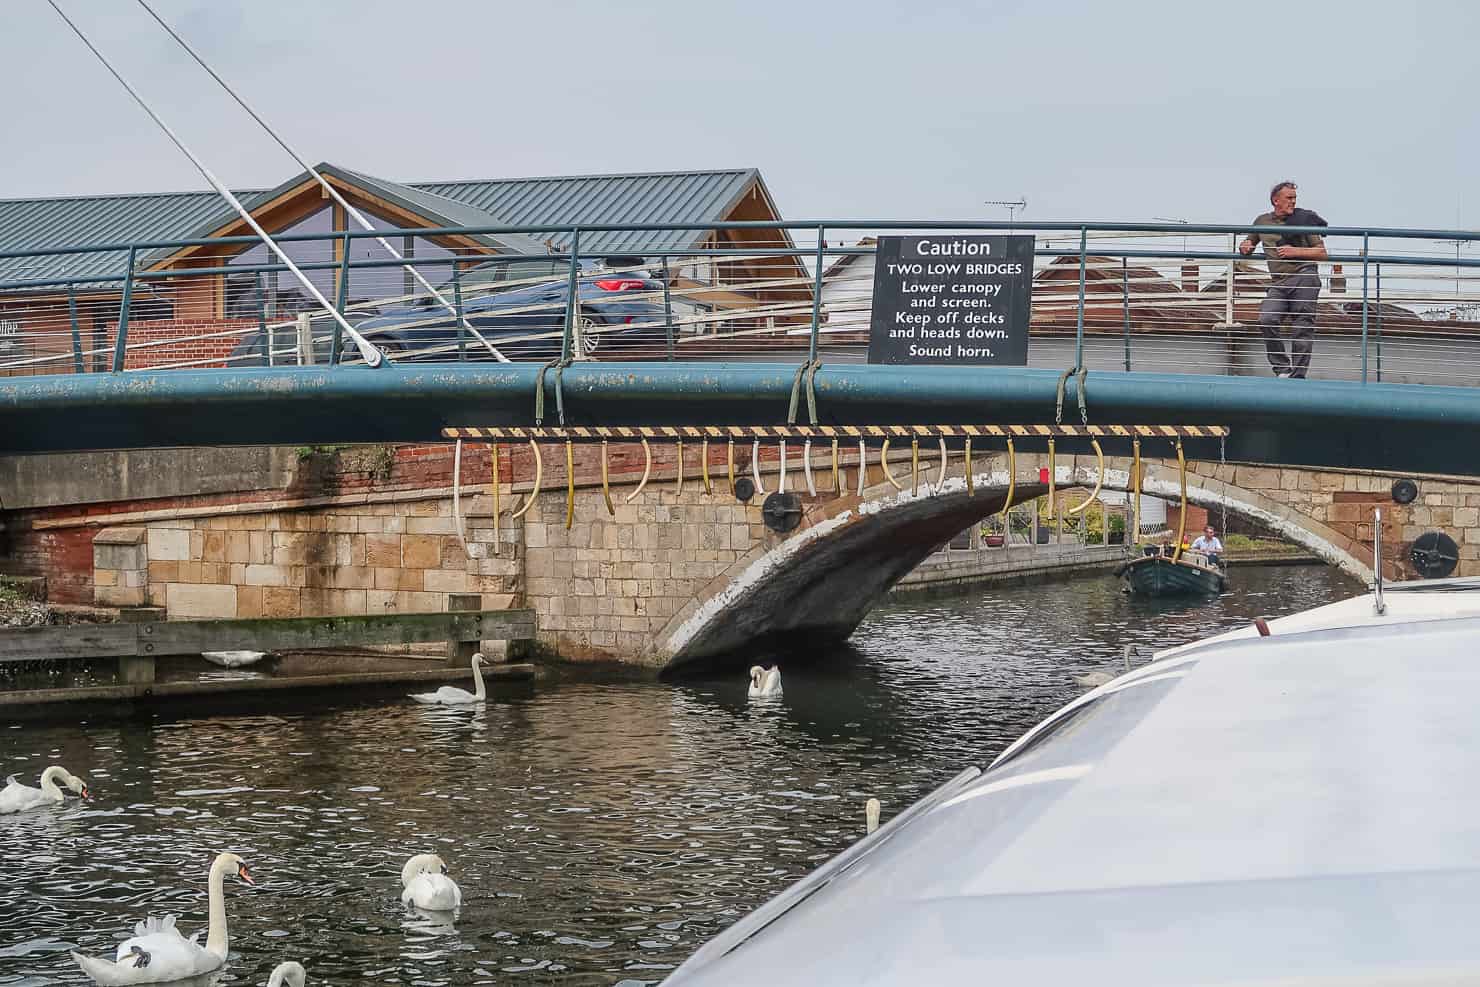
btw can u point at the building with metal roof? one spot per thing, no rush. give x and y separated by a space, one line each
691 198
60 300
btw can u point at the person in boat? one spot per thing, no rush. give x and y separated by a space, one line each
1208 544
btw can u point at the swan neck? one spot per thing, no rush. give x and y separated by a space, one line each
216 938
49 779
480 692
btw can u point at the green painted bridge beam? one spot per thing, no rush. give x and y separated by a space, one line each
1304 423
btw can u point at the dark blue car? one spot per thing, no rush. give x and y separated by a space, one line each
518 304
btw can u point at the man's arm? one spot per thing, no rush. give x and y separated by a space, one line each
1318 252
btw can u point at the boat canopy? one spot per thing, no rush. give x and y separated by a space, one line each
1296 808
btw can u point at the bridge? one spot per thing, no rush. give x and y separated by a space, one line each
756 329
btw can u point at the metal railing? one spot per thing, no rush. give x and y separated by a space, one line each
1395 305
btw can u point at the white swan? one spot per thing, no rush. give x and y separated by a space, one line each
426 885
16 797
290 973
1093 680
451 695
158 953
765 683
234 659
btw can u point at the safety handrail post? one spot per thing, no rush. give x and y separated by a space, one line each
77 366
1377 335
457 303
1365 252
121 342
1125 310
570 298
341 298
667 309
1079 327
817 295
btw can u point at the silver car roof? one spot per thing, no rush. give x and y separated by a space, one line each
1296 808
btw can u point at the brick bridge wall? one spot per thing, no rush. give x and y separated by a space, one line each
370 529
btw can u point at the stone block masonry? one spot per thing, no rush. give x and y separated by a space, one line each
370 530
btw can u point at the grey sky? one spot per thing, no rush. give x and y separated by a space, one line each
856 109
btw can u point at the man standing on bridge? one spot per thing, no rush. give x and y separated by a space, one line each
1294 281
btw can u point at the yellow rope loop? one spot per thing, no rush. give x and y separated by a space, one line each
704 468
606 483
1011 479
1053 476
884 462
970 478
539 479
1182 514
647 470
1099 479
836 469
781 476
679 490
914 466
494 485
1135 492
940 478
730 464
862 466
570 484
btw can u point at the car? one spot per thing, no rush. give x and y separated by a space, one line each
516 303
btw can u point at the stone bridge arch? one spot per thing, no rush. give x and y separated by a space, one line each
820 580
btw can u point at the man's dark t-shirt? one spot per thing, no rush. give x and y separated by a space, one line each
1281 269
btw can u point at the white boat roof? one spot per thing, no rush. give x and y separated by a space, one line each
1404 602
1292 809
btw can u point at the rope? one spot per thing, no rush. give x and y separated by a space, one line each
1058 406
812 391
539 393
796 391
1081 374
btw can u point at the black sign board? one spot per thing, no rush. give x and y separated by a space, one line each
952 300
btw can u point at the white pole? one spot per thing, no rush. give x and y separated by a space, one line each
350 210
368 352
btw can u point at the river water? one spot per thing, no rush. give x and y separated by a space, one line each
600 828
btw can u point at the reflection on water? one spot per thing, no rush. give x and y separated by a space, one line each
600 829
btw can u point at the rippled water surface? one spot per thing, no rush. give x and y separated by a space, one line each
600 829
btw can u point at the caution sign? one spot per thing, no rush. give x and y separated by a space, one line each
948 299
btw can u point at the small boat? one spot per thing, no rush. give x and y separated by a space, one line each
1168 573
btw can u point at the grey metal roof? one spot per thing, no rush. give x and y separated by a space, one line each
667 197
657 197
33 224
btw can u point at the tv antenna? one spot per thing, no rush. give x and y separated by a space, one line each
1021 202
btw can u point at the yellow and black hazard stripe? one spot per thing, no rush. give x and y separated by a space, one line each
681 433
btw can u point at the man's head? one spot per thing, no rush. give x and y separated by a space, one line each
1209 533
1282 197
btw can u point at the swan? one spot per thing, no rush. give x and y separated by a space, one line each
427 886
16 797
158 953
290 973
234 659
765 683
1094 680
451 695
